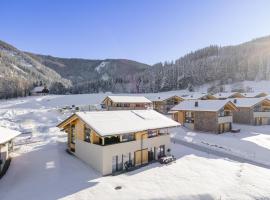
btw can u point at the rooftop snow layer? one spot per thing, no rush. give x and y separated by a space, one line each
38 89
246 102
196 95
224 94
129 99
125 121
253 94
203 105
7 134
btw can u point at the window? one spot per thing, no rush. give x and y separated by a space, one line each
128 137
72 134
152 133
189 117
87 134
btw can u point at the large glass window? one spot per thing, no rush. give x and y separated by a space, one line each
189 117
72 134
152 133
87 134
128 137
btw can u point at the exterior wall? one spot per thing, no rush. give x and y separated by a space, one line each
206 121
139 135
4 154
79 129
92 154
243 116
225 119
100 157
131 147
181 117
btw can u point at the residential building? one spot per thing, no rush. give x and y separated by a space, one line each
6 146
109 141
254 94
126 103
164 103
227 95
39 90
197 96
205 115
254 111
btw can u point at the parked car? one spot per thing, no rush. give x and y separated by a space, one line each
167 159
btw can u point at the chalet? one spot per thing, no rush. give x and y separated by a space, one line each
254 111
254 94
205 115
109 141
6 146
164 103
197 96
227 95
39 90
126 103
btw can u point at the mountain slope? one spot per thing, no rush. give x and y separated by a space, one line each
219 65
95 75
215 65
19 72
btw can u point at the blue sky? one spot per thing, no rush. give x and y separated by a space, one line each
148 31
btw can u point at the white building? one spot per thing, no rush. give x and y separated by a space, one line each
6 146
111 140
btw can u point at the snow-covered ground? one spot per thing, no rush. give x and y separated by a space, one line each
253 142
41 169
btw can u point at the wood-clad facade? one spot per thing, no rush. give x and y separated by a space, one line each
110 104
258 114
209 121
164 105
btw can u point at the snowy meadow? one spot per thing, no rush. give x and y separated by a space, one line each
41 169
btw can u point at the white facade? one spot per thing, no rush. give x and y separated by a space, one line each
225 119
101 157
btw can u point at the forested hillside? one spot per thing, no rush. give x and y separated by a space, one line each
20 71
219 65
88 76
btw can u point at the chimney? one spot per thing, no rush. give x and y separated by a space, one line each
235 101
196 103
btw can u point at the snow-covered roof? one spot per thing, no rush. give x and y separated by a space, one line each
125 121
129 99
7 134
254 94
163 97
195 95
38 89
226 94
203 105
247 102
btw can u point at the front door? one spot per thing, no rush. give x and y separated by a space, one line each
141 157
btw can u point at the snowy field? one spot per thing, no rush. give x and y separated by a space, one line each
253 142
41 169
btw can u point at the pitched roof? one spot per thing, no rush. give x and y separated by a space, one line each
125 121
129 99
203 105
247 102
195 95
7 134
38 89
254 94
164 97
225 94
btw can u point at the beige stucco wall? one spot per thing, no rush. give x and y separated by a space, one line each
100 157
